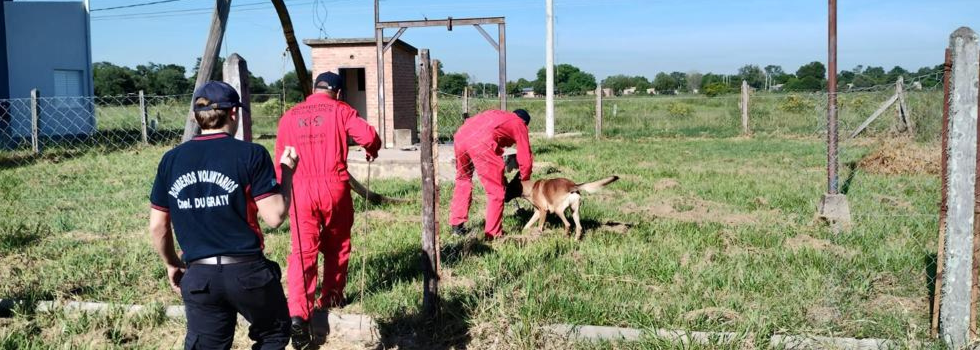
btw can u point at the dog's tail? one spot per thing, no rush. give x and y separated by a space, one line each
595 186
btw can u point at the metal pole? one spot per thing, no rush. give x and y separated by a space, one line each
379 39
832 187
550 70
502 52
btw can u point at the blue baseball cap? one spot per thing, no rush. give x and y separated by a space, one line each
328 80
221 95
526 117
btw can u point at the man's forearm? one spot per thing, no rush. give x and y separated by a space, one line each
163 242
287 188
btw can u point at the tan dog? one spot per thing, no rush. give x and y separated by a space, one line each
554 196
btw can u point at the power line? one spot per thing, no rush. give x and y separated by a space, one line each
134 5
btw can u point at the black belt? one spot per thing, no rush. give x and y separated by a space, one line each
226 260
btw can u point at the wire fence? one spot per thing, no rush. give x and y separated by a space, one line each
786 114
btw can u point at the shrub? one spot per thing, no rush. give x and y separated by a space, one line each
796 104
715 89
679 110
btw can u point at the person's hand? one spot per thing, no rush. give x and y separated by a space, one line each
371 157
289 157
174 274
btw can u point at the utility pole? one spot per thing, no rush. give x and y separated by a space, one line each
550 71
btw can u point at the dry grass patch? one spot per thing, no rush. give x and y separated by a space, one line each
902 157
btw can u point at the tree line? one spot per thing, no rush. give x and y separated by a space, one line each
171 79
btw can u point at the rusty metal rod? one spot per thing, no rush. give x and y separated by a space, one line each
941 255
832 185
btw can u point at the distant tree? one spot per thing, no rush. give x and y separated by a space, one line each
814 69
216 71
663 82
896 72
808 83
694 81
257 85
484 89
453 83
569 80
618 83
716 88
516 87
294 93
680 81
710 78
162 79
752 74
112 80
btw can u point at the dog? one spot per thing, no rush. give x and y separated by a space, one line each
554 196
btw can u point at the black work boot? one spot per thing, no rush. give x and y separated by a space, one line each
320 327
459 230
299 332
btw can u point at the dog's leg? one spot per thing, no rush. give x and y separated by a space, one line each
575 217
541 219
537 214
561 215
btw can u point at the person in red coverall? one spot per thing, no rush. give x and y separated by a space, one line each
479 144
321 222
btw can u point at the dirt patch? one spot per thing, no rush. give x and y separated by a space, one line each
692 210
712 315
664 184
450 281
800 242
902 157
820 315
914 305
616 227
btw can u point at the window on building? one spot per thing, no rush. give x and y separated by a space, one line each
67 83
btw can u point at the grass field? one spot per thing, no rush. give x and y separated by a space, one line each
705 231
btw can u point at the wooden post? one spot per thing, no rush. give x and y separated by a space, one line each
429 257
598 112
143 119
962 149
236 75
305 81
466 100
745 108
218 22
35 121
904 116
943 167
435 101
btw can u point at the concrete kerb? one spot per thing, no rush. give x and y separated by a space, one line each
581 333
350 327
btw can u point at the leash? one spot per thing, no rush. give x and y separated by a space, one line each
367 185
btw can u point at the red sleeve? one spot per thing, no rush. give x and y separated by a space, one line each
363 133
282 138
525 160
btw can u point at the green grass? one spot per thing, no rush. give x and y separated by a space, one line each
728 236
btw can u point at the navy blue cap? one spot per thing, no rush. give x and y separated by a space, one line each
523 115
328 80
221 95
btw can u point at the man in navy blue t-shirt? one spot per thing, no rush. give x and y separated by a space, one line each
212 190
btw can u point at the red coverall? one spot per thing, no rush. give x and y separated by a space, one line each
479 144
322 208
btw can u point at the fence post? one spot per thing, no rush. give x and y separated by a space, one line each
466 100
143 118
235 73
943 166
35 121
598 112
962 170
429 258
745 108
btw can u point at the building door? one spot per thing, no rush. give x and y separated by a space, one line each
354 89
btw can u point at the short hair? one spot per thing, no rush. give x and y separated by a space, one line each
212 118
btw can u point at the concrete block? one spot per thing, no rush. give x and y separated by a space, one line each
835 211
403 137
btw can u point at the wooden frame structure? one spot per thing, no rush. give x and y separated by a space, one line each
500 45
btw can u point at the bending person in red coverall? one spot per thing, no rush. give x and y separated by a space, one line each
318 128
479 145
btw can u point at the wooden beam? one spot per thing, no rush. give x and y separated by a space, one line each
219 21
440 22
881 109
488 37
394 39
299 65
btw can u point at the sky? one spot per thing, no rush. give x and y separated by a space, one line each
603 37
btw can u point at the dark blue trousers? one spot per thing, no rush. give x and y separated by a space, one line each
214 295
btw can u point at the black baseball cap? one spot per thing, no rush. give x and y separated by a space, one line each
220 94
523 115
328 80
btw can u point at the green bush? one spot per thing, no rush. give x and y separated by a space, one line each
796 104
715 89
679 110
